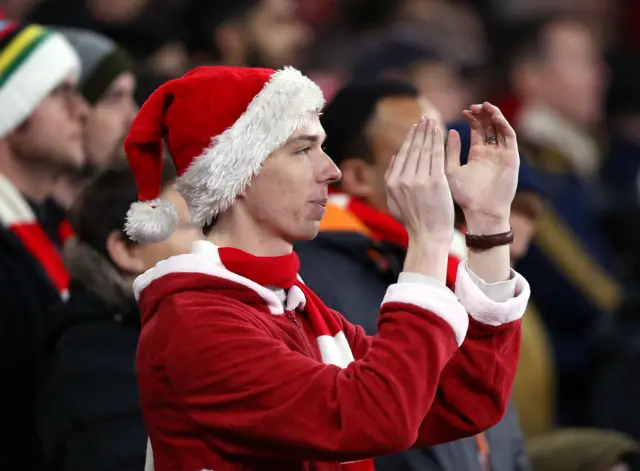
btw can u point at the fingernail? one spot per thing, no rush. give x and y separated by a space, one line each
423 118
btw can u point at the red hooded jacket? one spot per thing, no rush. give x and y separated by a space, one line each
227 383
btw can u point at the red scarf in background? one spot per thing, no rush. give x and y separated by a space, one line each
17 216
385 228
282 272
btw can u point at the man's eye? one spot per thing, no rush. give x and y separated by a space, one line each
303 151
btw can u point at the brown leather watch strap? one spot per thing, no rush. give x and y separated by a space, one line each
486 242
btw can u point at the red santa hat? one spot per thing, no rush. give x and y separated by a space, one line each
220 124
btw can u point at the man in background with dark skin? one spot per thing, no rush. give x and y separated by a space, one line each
361 247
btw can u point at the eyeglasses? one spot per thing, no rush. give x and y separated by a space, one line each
69 94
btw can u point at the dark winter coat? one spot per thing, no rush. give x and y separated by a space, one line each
89 412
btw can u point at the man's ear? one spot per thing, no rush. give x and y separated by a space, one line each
123 254
358 179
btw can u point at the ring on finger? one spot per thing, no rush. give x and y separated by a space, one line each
491 140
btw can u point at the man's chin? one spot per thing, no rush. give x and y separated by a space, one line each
73 162
311 232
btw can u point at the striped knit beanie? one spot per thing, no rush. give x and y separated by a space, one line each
102 61
33 61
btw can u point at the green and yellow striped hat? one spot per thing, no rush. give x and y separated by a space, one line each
33 61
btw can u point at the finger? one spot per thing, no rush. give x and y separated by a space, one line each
390 166
397 162
437 156
477 131
499 134
492 111
424 164
484 116
477 109
415 154
454 148
502 125
418 151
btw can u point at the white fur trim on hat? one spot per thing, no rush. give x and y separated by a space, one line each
214 178
151 221
43 70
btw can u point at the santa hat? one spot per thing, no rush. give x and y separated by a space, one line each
220 124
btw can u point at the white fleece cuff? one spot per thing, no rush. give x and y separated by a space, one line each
433 296
492 303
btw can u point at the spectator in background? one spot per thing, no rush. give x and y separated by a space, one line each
108 84
258 33
621 169
89 414
437 80
40 137
359 240
149 30
616 388
557 74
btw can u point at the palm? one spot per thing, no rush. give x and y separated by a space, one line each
487 183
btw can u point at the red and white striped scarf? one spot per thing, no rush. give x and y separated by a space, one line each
282 272
17 216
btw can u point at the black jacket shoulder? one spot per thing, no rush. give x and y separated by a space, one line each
89 411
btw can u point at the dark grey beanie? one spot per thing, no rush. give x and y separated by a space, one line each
102 61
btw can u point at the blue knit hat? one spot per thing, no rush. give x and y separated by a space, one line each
390 55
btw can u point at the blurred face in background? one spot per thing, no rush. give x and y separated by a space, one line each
109 120
618 467
523 228
52 136
275 35
570 76
384 136
525 211
442 86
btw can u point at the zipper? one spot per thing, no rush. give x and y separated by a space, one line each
292 317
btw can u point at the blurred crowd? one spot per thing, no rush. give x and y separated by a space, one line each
566 75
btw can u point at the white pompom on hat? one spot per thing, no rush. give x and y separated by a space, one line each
220 124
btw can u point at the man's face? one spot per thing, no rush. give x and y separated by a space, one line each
275 34
384 135
109 121
287 198
572 74
52 136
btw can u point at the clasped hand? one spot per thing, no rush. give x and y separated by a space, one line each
423 179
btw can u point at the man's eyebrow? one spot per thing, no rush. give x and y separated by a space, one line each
310 138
